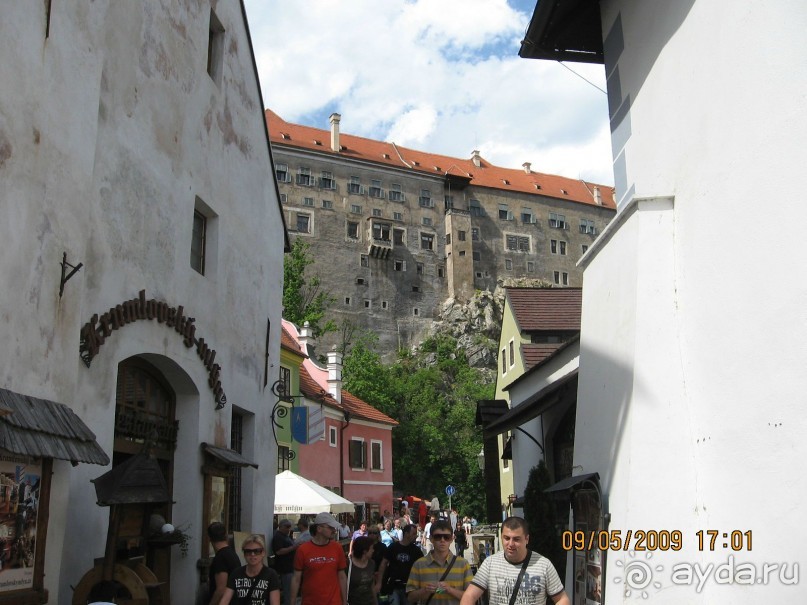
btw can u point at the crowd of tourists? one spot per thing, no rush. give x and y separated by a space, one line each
394 560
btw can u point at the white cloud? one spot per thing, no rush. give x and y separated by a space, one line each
439 75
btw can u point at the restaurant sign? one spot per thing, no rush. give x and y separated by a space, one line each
95 332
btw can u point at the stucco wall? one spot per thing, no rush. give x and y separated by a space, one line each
109 129
694 336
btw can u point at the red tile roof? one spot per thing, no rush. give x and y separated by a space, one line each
551 309
315 391
288 343
534 354
350 403
282 133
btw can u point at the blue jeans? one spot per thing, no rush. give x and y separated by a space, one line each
398 596
285 586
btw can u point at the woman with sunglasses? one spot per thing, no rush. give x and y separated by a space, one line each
254 583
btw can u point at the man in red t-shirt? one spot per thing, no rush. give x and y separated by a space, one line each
319 566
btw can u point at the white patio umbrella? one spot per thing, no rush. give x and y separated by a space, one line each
297 495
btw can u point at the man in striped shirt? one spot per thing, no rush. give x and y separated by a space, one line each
426 582
499 574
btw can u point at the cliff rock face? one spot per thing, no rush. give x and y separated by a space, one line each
477 324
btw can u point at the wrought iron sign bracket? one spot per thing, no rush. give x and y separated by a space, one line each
65 275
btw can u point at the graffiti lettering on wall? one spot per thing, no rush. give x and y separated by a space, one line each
20 480
95 332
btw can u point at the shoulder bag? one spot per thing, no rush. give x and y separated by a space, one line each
520 577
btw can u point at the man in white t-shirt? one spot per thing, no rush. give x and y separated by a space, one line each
498 573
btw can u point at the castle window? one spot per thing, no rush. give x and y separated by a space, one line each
304 177
215 48
425 199
395 193
426 241
353 230
282 173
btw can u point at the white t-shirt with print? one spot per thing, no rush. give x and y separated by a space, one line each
498 577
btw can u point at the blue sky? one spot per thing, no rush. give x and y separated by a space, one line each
442 76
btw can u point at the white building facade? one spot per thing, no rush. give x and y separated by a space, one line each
692 381
133 144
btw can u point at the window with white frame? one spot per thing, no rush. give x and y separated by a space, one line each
282 173
308 201
399 265
553 246
332 436
512 351
353 229
382 231
587 226
557 221
508 264
358 453
561 278
397 216
504 213
504 362
396 193
355 209
527 217
375 189
304 177
520 243
426 241
562 248
476 208
327 204
427 221
425 199
303 223
215 48
398 237
354 186
326 180
376 458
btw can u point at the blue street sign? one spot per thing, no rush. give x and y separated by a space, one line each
450 491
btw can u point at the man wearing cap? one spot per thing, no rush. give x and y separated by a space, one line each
283 547
319 566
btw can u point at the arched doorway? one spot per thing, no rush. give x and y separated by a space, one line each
145 420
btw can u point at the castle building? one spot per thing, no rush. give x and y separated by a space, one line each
395 232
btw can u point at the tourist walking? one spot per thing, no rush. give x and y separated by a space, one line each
393 573
319 566
254 583
283 547
516 571
361 584
225 561
439 577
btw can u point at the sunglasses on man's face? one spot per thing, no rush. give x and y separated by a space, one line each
253 551
439 537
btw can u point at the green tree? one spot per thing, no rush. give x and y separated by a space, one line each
303 298
433 396
540 512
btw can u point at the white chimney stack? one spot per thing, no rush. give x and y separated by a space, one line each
306 337
335 118
597 196
335 374
476 158
526 166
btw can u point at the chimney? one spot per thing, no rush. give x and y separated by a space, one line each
476 158
526 166
597 196
306 337
335 374
335 118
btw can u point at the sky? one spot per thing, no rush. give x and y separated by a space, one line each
441 76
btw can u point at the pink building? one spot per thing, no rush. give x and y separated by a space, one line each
353 456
